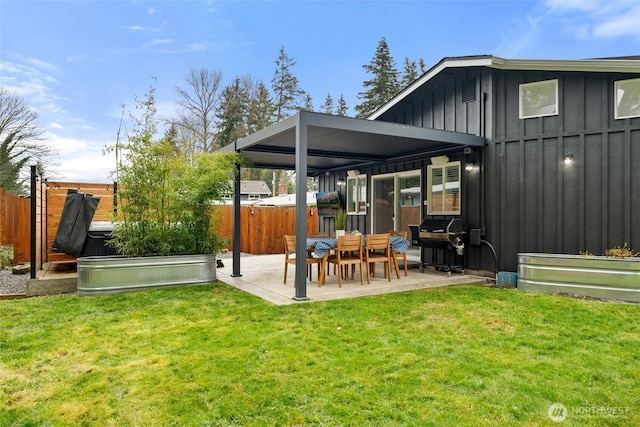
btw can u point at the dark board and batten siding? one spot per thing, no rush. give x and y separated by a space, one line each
532 202
540 205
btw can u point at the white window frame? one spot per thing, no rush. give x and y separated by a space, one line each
446 186
619 88
359 205
536 86
253 197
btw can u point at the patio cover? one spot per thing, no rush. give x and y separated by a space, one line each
311 143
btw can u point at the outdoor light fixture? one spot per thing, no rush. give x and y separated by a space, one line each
568 159
340 182
470 166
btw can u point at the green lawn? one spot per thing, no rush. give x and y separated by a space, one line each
212 355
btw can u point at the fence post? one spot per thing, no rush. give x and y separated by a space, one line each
33 222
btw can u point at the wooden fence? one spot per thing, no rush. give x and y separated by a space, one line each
14 225
261 228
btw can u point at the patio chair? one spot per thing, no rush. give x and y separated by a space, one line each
318 234
348 252
377 250
290 258
397 255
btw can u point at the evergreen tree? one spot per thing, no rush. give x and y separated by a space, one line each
384 83
422 66
327 107
342 109
231 113
308 102
261 109
287 95
410 73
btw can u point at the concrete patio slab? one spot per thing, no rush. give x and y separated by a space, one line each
262 275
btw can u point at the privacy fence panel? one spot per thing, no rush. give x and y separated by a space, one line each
14 225
262 228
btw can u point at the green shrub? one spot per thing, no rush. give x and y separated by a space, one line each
166 200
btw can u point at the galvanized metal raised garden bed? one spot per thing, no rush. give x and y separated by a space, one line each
591 276
101 275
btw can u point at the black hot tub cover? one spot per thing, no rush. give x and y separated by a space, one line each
77 215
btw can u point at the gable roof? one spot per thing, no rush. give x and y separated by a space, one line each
253 187
628 64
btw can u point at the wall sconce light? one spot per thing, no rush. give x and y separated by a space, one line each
341 182
568 159
470 166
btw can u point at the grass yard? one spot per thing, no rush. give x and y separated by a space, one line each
212 355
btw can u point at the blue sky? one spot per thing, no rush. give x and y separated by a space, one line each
77 62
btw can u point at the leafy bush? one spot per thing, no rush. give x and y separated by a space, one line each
165 201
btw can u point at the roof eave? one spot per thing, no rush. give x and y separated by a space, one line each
581 65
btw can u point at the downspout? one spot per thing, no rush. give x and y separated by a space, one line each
483 183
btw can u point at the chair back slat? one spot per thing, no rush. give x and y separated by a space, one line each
289 243
378 241
349 243
400 233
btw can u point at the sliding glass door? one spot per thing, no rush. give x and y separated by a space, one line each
397 201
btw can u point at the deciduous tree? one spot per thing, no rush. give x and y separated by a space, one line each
21 141
198 103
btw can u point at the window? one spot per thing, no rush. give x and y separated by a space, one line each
539 99
357 194
253 197
627 96
443 189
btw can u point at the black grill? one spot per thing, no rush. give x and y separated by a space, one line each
445 238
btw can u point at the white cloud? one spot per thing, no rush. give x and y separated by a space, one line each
134 27
196 47
594 19
56 125
80 160
627 23
161 41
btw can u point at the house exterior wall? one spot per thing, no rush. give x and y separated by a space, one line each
440 104
524 198
537 204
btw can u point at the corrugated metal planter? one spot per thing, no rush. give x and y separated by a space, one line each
592 276
103 275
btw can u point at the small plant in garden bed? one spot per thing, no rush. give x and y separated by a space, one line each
623 251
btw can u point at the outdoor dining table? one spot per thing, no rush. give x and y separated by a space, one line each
320 247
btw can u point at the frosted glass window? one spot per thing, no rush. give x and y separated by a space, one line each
539 99
627 96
